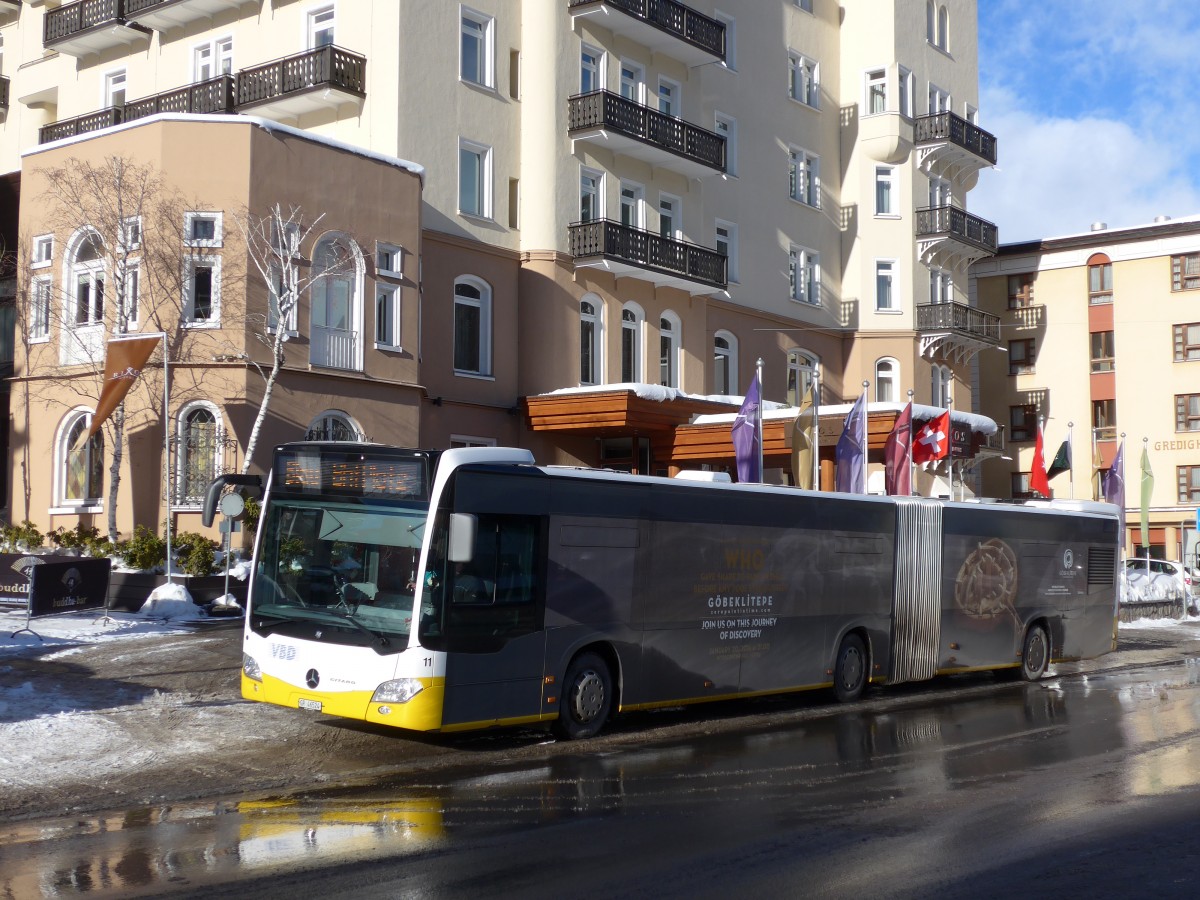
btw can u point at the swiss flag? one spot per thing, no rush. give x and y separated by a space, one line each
933 441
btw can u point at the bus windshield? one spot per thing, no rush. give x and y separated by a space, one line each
322 560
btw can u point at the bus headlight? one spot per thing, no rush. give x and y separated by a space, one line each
250 667
399 691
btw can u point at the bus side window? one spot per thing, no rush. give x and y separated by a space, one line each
494 593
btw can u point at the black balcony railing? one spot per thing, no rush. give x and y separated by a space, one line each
946 126
133 7
94 121
647 250
604 109
3 94
327 66
80 16
212 96
675 18
951 221
958 317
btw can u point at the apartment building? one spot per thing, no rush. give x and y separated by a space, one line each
1102 332
612 196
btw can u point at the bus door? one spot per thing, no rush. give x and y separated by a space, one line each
488 613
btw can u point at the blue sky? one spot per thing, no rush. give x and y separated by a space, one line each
1094 106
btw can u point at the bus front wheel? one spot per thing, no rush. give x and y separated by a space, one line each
586 699
850 669
1035 654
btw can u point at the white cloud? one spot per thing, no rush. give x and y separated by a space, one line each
1058 175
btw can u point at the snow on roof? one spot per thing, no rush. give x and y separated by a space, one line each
655 392
921 412
265 124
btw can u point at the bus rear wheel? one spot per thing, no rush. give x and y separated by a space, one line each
850 669
1035 654
586 699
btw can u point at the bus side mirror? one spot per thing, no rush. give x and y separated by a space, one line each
461 547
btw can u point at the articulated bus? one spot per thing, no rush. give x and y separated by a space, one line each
444 591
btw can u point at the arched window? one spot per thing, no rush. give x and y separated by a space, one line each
669 332
930 22
333 425
631 342
337 304
802 368
887 374
725 363
472 326
80 461
943 28
198 460
943 380
87 280
1100 279
591 311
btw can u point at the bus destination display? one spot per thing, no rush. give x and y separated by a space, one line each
353 475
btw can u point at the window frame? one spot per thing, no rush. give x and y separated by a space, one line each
597 177
804 79
1023 364
93 503
875 85
1101 265
670 350
315 26
341 417
804 177
1100 363
726 125
1182 350
41 303
392 294
594 342
190 219
1023 430
890 377
1184 416
941 385
486 55
483 303
1022 297
188 319
181 498
42 242
597 71
888 269
1185 477
805 261
1179 276
633 326
483 154
130 308
887 177
219 51
726 358
799 361
731 245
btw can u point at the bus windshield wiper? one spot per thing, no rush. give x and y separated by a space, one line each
308 612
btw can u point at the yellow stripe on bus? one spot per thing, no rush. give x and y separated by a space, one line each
422 713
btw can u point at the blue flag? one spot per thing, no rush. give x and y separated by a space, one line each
747 435
851 475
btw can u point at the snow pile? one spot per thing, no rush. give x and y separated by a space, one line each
169 601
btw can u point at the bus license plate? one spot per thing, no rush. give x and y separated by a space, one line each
314 705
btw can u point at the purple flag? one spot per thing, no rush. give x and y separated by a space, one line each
1114 488
747 436
851 475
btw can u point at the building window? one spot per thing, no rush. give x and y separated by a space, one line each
590 208
202 291
804 172
1104 420
876 92
633 79
1187 342
931 22
885 191
387 317
320 27
804 276
1020 357
886 379
88 272
114 88
941 380
199 449
1020 290
632 204
669 217
805 5
129 300
81 462
43 251
591 70
203 229
939 100
668 350
1021 489
40 293
941 285
1100 280
803 80
727 126
1187 412
1189 484
725 362
1022 422
907 91
669 101
1185 272
389 260
885 286
802 368
727 243
631 333
476 62
590 311
943 28
333 425
212 59
472 327
1102 351
474 179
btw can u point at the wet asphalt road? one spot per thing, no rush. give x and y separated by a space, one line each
1087 784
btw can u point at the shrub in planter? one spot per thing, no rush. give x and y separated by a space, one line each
23 537
145 550
195 553
82 537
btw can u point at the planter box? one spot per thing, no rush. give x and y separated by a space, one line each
127 591
1151 609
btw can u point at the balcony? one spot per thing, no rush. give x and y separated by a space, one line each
325 78
635 252
663 26
90 26
949 237
334 348
9 6
163 15
212 96
955 330
949 146
4 90
609 120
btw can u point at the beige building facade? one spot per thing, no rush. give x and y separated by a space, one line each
1102 333
610 193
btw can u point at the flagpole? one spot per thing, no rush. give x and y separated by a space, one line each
167 447
911 467
1071 454
816 449
1124 528
758 419
950 443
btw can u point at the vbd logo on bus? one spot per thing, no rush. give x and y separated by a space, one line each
283 651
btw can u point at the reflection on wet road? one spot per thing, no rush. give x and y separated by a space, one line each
874 791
